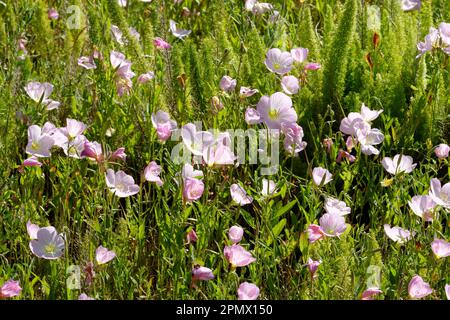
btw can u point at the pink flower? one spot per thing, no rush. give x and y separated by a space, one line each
369 293
163 124
293 140
52 14
152 172
192 189
335 206
119 154
252 116
239 195
31 162
196 141
146 77
178 32
89 273
10 289
369 138
189 172
191 236
400 163
299 54
315 233
92 150
238 256
269 187
447 291
441 248
431 41
202 273
218 154
246 92
87 63
422 206
227 83
48 244
397 234
417 288
32 230
75 147
444 33
312 66
235 233
344 154
103 255
276 109
409 5
161 44
442 151
321 176
247 291
84 296
313 266
332 225
121 184
40 92
290 84
369 115
278 61
440 194
39 144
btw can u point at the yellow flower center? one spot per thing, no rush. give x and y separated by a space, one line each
273 114
50 248
35 146
276 65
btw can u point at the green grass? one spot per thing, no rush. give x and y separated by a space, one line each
148 231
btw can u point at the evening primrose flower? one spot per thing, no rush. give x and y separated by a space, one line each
192 189
191 236
235 233
218 154
104 255
84 296
196 141
48 244
178 32
321 176
227 83
409 5
440 194
276 109
163 124
238 256
31 162
87 62
442 151
290 84
245 92
299 54
335 206
146 77
32 230
313 266
40 92
239 195
423 207
417 288
447 291
119 154
10 288
248 291
121 184
431 41
161 44
188 171
399 164
293 138
441 248
252 116
332 225
152 172
368 139
369 293
315 233
39 144
278 61
269 187
202 273
92 150
397 234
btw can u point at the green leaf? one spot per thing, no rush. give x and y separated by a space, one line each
284 209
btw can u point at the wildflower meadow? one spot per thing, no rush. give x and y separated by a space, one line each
225 150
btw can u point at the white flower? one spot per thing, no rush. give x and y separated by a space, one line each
400 163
